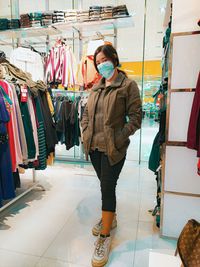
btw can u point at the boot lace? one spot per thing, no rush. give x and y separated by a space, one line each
100 247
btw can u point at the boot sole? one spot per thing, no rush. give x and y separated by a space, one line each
99 264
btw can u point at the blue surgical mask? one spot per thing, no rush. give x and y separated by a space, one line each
106 69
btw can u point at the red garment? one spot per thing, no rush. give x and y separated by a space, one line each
10 131
193 138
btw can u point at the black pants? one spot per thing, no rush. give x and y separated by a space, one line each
108 176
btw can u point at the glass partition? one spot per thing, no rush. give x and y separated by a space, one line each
139 48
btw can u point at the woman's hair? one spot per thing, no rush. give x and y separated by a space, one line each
110 52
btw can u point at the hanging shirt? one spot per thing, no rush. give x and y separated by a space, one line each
28 61
18 151
61 66
34 125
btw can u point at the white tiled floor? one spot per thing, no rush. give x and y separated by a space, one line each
53 228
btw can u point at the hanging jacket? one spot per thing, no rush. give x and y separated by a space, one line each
10 130
64 127
193 136
50 129
6 178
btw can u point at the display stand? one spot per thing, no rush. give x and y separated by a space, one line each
180 182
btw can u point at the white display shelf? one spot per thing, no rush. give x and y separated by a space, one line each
99 25
28 32
58 28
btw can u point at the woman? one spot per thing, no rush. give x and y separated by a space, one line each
106 132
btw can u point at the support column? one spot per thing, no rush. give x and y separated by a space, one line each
14 14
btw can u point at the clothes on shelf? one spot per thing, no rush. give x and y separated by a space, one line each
83 15
3 24
70 15
107 12
29 61
120 11
61 66
47 19
95 12
58 16
37 19
25 21
13 24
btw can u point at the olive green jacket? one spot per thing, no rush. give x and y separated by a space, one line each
121 100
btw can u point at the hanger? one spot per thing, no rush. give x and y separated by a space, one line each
29 46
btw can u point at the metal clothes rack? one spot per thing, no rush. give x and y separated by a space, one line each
36 185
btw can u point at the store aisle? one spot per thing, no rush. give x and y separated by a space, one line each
53 228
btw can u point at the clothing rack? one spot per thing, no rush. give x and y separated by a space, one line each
60 91
35 185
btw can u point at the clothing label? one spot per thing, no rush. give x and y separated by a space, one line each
24 94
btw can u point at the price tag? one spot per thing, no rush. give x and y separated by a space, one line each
24 94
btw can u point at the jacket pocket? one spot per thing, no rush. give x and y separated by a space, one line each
119 138
86 139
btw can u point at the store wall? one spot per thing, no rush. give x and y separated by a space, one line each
5 9
185 15
180 181
31 6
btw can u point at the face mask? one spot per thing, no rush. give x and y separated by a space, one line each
106 69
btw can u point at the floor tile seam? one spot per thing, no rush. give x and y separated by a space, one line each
37 261
20 252
59 259
136 238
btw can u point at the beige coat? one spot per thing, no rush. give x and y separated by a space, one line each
121 100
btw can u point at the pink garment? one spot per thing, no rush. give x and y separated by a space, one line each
49 73
18 151
61 66
34 125
58 51
22 136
